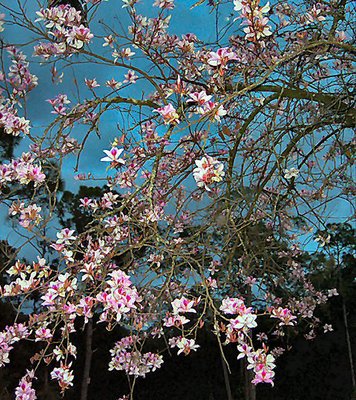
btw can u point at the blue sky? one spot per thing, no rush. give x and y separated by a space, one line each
199 20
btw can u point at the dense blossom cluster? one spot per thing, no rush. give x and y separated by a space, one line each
238 330
20 80
22 170
24 390
9 336
255 17
253 119
65 29
126 357
208 171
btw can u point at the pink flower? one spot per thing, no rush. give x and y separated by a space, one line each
244 350
65 236
314 15
169 114
183 305
186 346
164 4
327 328
43 334
199 97
113 156
85 202
91 83
175 320
263 376
63 375
257 29
24 390
208 171
79 36
127 53
221 57
232 306
245 321
130 77
216 111
285 315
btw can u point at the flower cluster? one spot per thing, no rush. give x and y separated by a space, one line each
58 289
125 356
238 330
119 297
284 315
180 306
255 18
203 105
12 123
147 221
22 170
66 28
19 77
59 104
208 171
64 376
184 345
24 390
9 336
221 58
29 216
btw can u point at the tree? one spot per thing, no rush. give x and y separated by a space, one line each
231 155
340 244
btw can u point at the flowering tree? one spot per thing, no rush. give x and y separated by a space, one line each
233 153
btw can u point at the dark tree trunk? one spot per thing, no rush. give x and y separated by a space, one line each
87 362
349 347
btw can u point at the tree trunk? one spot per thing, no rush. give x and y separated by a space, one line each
250 388
349 347
87 362
226 378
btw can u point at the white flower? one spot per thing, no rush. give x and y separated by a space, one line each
113 155
186 345
208 171
244 321
65 236
238 5
332 292
323 240
328 328
291 173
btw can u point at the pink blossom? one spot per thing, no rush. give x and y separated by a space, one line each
245 321
130 77
208 171
24 390
285 315
186 346
183 305
63 375
221 57
263 376
113 156
169 114
65 236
